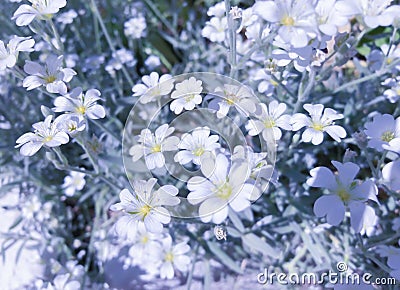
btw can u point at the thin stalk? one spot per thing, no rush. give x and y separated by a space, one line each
60 45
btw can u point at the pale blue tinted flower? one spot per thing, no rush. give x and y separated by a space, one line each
383 130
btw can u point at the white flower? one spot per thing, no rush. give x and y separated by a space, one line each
328 18
383 132
269 120
153 87
71 123
52 75
296 19
173 257
63 282
374 13
146 206
43 9
46 134
135 27
215 29
321 121
392 94
195 145
223 187
152 146
390 175
67 17
186 95
9 54
239 97
73 182
78 103
217 10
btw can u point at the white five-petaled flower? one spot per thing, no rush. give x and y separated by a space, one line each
78 103
152 146
215 29
328 18
224 187
51 75
145 205
239 97
153 87
9 53
186 95
71 123
344 192
42 9
383 132
269 121
73 182
296 19
173 256
195 145
320 121
46 133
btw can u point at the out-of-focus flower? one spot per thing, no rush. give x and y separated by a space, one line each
78 103
135 27
146 205
373 13
320 121
186 95
393 261
223 187
328 18
153 87
63 282
152 146
232 96
296 19
152 62
67 17
391 174
195 145
73 182
344 193
383 131
46 133
51 75
215 29
173 256
269 121
9 55
41 9
392 94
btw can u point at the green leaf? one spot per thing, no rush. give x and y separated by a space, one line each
223 257
257 244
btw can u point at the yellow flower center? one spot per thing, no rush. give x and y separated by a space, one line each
169 257
145 210
398 91
317 126
198 152
50 79
189 98
72 128
343 194
269 123
224 191
156 148
387 136
287 21
144 239
48 139
81 110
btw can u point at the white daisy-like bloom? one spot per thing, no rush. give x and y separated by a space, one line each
41 9
9 53
391 173
173 257
145 205
51 75
153 87
215 29
217 10
383 132
73 182
78 103
195 145
328 18
373 13
71 123
135 27
269 121
47 133
224 187
238 97
151 146
296 19
186 95
320 121
392 94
